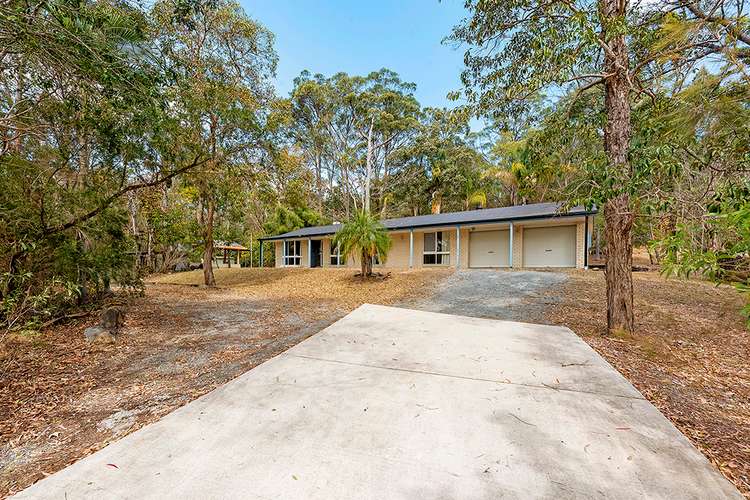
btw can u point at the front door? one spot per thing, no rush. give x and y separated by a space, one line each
316 253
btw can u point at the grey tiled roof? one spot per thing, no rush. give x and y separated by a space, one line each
503 214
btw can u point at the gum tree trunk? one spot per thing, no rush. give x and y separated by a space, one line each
208 242
618 215
368 172
619 269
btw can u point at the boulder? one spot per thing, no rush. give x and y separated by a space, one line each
98 334
105 338
181 266
112 318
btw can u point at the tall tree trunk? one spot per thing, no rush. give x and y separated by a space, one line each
208 243
368 173
618 272
437 202
318 182
150 250
345 175
18 140
363 263
384 184
618 215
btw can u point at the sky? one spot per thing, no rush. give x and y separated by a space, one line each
360 36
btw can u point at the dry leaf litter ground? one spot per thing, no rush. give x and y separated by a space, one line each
690 357
62 398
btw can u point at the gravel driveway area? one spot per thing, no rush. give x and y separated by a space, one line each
497 294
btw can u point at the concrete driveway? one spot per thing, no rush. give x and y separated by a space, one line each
391 403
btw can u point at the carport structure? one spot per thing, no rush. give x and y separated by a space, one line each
532 236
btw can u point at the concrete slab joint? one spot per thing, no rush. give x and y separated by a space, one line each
402 404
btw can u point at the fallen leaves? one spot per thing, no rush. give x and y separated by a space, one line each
179 342
689 357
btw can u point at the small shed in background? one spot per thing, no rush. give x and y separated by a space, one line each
228 254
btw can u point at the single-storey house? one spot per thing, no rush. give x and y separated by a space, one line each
531 236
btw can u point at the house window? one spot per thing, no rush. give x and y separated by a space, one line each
436 248
336 259
292 253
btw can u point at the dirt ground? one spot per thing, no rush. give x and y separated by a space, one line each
62 398
690 357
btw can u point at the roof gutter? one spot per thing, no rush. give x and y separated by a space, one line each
446 224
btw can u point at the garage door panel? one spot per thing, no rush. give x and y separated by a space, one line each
489 248
549 246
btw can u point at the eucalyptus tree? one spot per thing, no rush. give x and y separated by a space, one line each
82 125
353 124
521 48
222 62
312 109
323 130
442 159
386 113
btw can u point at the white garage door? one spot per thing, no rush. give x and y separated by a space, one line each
549 246
488 248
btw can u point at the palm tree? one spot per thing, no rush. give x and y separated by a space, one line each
365 236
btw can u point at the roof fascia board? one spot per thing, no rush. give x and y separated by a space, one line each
448 224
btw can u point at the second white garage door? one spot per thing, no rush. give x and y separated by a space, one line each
549 246
488 248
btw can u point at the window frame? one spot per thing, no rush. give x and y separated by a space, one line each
443 256
295 259
337 255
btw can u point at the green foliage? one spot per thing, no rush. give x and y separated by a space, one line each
285 220
442 169
82 117
222 62
363 237
727 258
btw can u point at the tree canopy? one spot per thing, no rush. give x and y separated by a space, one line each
135 137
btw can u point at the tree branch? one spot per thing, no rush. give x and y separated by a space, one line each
113 197
723 21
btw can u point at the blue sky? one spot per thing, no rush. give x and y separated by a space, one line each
359 36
